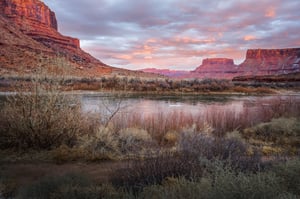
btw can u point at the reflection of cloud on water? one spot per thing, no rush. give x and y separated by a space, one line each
175 105
148 107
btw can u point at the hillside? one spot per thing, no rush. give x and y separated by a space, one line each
30 41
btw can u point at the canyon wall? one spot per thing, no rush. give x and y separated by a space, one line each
35 20
270 62
258 62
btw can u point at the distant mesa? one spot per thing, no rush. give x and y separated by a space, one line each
218 61
258 62
216 68
166 72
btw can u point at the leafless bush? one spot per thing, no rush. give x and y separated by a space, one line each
154 170
41 118
231 149
157 124
222 120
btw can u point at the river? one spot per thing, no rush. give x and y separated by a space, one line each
151 104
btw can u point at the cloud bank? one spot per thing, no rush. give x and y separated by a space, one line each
177 34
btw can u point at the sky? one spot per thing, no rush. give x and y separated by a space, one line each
177 34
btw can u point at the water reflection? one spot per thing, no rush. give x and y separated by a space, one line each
167 104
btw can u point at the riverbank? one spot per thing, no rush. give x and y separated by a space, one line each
53 144
146 86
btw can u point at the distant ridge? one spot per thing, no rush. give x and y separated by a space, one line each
258 62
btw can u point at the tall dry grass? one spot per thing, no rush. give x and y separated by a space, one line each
220 119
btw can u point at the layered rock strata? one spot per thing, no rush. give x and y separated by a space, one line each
216 68
270 62
34 19
258 62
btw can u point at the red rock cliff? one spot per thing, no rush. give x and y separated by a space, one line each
219 68
218 61
36 20
34 12
258 62
271 61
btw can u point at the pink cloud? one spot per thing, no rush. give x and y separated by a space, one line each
175 33
249 37
270 12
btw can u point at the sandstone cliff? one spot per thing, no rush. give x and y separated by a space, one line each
258 62
34 27
270 62
216 68
36 20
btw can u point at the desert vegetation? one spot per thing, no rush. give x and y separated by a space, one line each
144 85
251 152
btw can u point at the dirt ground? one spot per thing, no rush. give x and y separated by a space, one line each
26 173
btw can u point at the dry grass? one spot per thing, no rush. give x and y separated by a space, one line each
281 135
220 119
110 144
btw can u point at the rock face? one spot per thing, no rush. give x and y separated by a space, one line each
218 61
35 20
217 68
34 12
270 62
258 62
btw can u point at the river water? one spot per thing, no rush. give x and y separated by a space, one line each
98 102
193 104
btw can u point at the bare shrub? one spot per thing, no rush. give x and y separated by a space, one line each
273 107
42 118
222 120
232 150
154 170
157 125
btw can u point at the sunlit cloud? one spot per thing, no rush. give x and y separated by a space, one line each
270 12
177 34
249 37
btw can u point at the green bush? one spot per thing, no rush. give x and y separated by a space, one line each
178 188
280 132
289 172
